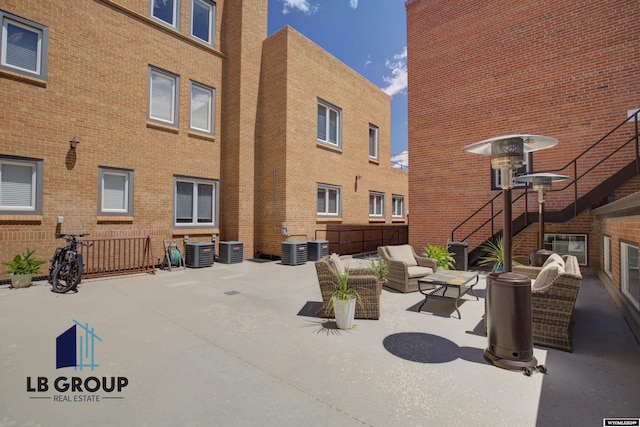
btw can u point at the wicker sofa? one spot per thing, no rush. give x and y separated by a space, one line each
363 280
405 267
554 290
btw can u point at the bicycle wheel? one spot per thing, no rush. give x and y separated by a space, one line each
67 276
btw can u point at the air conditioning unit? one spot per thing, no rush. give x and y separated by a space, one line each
317 249
294 253
199 254
231 252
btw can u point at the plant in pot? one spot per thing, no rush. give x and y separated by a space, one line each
343 301
443 258
381 267
494 255
22 268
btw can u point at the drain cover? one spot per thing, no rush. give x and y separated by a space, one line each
232 293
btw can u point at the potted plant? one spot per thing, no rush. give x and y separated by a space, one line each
22 269
443 258
494 255
381 267
343 302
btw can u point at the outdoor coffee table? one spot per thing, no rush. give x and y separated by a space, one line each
445 279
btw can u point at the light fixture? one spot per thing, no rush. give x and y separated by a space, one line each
73 143
508 316
358 177
541 182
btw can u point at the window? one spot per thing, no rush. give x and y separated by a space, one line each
163 96
607 256
373 142
527 167
629 280
397 208
328 200
201 108
20 186
24 46
568 244
195 202
166 11
376 204
328 124
202 20
115 192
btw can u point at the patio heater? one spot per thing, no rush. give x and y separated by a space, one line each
508 295
541 182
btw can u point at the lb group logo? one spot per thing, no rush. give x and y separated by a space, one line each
76 348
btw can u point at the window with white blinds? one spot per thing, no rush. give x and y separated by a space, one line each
20 186
23 46
115 193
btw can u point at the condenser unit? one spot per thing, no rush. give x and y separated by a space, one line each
317 249
199 254
231 252
294 253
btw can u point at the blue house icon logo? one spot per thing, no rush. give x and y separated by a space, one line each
76 347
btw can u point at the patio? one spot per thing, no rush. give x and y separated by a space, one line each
239 345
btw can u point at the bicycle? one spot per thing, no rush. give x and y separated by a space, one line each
66 264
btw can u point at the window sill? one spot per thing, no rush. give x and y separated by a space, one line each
320 220
374 161
36 219
377 220
23 78
328 147
113 218
203 136
194 231
165 128
398 220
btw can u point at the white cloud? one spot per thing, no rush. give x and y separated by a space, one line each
303 6
397 82
400 160
353 4
368 62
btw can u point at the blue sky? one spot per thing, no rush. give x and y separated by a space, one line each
369 36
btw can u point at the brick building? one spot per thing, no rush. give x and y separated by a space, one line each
174 106
559 68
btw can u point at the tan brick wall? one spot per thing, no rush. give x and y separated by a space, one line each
99 53
296 73
477 70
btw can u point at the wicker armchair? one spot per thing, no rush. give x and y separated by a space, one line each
366 285
405 267
552 303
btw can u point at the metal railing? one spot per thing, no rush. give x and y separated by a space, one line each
486 216
362 240
117 256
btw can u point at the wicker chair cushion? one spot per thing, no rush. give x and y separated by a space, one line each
417 271
402 253
554 258
546 276
337 263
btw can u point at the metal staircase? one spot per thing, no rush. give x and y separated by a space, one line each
595 173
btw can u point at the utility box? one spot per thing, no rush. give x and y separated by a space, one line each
460 251
294 253
316 249
231 252
199 254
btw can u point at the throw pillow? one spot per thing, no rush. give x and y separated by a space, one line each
546 276
554 258
337 263
402 253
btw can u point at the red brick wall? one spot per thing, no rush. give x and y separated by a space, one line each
486 68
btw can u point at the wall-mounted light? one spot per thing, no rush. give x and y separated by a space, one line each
358 177
74 142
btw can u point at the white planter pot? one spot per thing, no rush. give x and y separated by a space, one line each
344 311
21 280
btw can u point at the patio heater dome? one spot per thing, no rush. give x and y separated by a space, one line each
542 181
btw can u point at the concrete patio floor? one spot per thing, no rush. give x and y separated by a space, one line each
240 345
